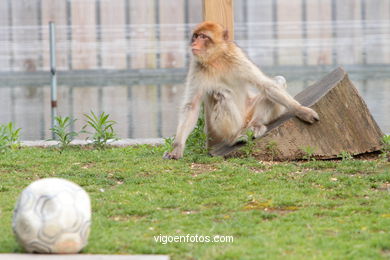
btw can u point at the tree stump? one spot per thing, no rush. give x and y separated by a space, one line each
345 126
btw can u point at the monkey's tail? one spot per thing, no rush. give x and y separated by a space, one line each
223 149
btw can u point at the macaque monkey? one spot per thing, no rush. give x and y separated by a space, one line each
236 94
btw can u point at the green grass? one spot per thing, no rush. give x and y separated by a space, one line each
297 210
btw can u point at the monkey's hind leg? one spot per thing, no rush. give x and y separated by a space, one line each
224 123
260 112
266 111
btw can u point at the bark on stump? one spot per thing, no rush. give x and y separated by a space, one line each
345 124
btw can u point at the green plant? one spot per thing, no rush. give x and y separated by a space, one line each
272 148
61 132
386 147
104 131
3 141
308 152
9 136
13 135
249 138
196 142
345 156
168 144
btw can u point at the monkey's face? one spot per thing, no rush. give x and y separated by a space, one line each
200 43
208 41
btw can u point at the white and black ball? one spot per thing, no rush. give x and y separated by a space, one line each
52 215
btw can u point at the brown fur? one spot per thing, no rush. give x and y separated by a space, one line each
216 31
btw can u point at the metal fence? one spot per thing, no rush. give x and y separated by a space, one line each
148 34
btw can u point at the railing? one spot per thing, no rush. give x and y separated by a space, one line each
149 34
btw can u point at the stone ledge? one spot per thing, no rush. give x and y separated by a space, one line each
119 143
80 257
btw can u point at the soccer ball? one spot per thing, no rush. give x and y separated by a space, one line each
52 215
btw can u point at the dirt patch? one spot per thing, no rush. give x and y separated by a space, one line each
126 218
189 212
385 252
198 168
384 187
268 207
88 165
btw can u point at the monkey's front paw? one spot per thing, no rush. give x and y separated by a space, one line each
307 114
173 155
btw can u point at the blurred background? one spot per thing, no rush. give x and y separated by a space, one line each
129 58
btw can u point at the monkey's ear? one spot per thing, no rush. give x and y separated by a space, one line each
226 35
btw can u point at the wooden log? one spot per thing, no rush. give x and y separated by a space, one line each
220 11
345 125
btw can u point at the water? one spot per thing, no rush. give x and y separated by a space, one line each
105 37
143 111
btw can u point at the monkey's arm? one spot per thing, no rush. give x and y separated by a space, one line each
189 114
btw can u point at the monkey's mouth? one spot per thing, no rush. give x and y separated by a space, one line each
196 51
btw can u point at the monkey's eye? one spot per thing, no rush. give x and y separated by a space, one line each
194 36
204 36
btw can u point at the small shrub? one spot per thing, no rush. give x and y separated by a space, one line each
166 147
61 132
386 147
9 137
248 148
308 153
196 142
3 140
345 156
272 149
168 144
104 131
